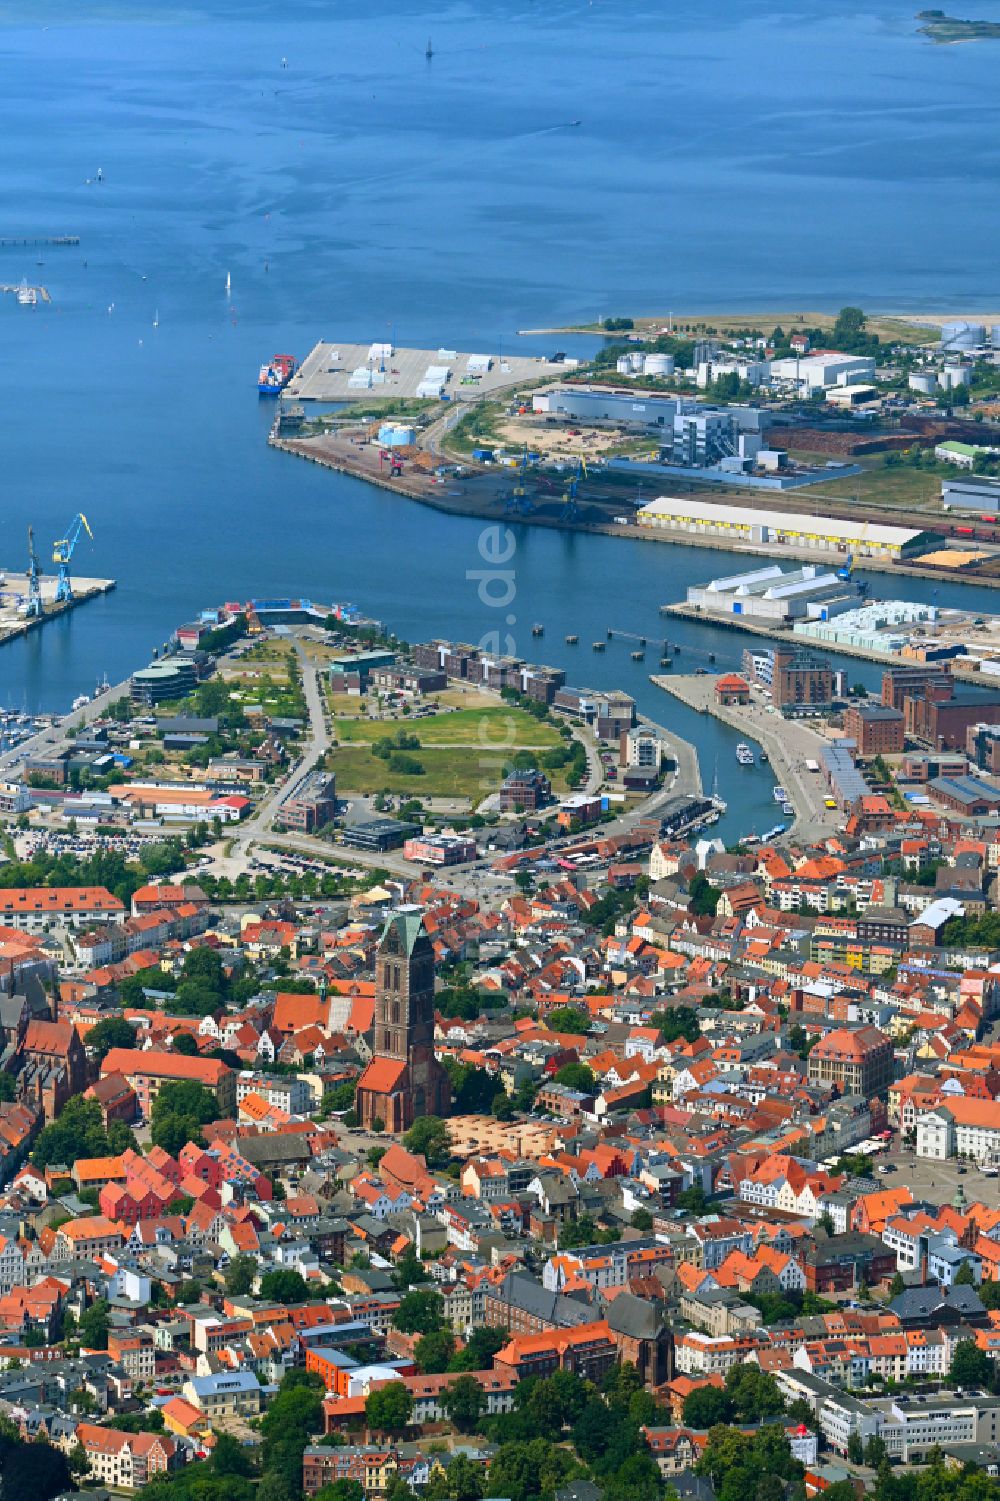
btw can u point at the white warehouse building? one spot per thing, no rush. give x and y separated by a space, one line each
770 594
827 368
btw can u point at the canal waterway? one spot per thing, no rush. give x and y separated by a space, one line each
726 156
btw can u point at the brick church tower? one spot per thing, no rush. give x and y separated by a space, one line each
404 1080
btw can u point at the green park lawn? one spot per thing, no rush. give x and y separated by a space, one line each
447 772
492 725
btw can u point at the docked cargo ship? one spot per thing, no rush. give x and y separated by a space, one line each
274 377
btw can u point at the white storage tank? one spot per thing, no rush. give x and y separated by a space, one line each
624 364
396 435
962 335
658 364
953 376
924 381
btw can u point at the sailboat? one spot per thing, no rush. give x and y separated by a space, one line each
156 318
719 804
430 50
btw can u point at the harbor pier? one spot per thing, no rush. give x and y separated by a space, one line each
14 594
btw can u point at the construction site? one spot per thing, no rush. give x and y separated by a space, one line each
35 594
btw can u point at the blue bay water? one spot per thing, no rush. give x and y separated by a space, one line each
728 157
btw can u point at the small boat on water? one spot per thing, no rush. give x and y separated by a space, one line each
537 630
744 754
764 758
788 810
667 662
780 795
638 656
429 50
572 640
599 645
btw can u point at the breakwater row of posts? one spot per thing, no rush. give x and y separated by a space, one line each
13 242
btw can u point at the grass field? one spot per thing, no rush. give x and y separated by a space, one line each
343 705
899 486
460 698
454 772
889 328
491 725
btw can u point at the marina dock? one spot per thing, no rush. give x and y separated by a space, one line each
788 744
25 293
13 594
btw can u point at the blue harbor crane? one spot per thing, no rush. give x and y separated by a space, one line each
33 610
62 553
570 510
846 573
519 502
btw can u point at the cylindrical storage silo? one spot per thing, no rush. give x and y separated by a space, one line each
961 334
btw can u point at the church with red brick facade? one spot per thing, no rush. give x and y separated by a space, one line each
404 1080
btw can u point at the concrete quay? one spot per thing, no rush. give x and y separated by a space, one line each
789 744
687 778
14 587
325 373
823 648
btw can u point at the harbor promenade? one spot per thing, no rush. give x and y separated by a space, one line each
789 744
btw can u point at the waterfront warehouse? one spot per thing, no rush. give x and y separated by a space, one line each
862 538
772 595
